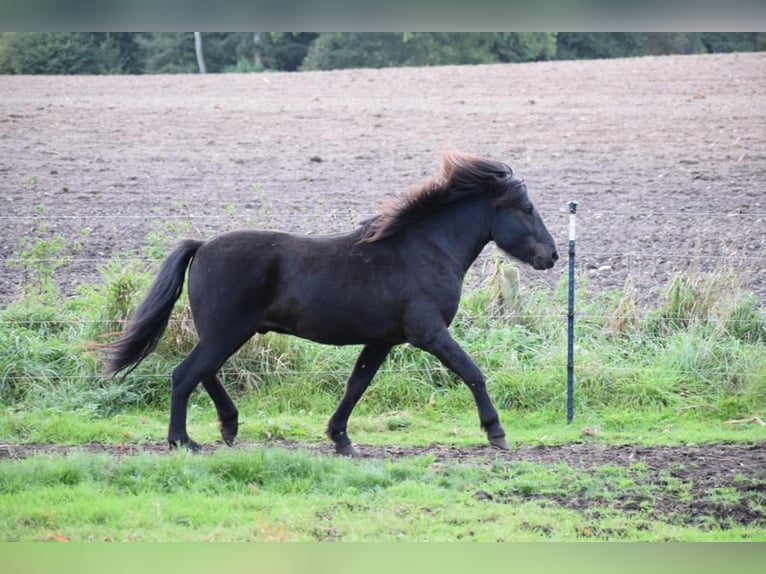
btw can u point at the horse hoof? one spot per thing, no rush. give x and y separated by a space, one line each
499 442
229 429
188 444
347 450
228 435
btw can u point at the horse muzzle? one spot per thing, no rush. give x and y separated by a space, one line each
545 261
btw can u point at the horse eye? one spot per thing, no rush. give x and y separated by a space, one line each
528 209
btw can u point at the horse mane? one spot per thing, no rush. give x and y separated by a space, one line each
460 176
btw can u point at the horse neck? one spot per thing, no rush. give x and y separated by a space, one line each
460 230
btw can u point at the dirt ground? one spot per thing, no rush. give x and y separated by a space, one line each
665 156
680 479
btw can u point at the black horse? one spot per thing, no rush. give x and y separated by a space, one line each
395 279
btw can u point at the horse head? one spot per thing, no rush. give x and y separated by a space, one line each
517 226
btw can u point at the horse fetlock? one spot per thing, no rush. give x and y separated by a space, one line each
342 441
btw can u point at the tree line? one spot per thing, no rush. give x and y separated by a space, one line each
177 52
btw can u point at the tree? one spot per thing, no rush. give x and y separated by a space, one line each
339 50
137 53
48 53
169 53
70 53
258 50
733 41
594 45
662 43
379 50
271 50
286 50
225 51
120 52
445 48
588 45
199 53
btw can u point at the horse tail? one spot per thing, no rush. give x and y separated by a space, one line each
147 325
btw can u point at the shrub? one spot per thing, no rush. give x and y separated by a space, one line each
50 53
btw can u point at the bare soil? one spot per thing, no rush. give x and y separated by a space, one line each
665 156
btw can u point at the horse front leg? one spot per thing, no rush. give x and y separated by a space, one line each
367 364
449 352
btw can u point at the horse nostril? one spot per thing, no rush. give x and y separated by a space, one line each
555 255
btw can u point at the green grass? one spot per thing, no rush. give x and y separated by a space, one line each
371 426
276 495
674 356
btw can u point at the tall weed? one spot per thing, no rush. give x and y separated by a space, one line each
702 343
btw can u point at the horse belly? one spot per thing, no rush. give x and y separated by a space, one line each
333 320
352 331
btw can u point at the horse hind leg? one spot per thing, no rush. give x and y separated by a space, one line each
225 317
185 379
202 365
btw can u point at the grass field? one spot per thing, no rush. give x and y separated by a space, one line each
270 492
691 370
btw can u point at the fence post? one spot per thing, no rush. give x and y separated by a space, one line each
570 315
